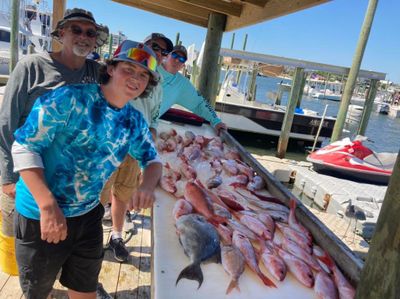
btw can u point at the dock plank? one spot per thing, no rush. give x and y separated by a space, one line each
109 273
11 288
128 281
144 290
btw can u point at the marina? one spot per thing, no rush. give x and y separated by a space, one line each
339 218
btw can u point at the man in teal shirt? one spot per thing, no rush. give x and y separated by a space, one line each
177 89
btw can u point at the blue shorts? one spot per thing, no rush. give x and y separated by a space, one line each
79 256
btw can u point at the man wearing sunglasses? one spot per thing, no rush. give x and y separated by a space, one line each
37 74
177 89
124 181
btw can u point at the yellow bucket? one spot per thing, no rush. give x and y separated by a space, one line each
8 263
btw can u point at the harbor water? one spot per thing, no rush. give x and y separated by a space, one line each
382 131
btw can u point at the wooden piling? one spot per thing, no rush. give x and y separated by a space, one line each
177 38
58 14
110 46
368 105
289 115
380 275
355 67
239 73
251 96
208 81
14 35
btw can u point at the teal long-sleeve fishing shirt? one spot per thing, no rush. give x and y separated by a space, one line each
177 89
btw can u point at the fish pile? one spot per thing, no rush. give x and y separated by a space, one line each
224 212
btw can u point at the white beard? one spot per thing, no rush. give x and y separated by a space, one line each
81 51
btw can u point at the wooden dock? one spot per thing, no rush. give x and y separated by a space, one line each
121 280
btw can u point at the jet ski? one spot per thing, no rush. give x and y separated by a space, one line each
352 160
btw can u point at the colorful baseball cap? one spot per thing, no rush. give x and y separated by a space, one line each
154 36
181 49
139 54
78 14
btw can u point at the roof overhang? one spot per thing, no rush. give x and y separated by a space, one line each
238 13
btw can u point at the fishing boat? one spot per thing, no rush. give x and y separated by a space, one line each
34 29
233 101
352 160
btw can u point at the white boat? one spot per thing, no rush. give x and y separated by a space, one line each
34 29
261 118
383 108
354 113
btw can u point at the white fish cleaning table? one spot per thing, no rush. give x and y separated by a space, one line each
169 258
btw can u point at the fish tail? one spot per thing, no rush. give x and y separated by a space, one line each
233 284
327 260
192 272
268 282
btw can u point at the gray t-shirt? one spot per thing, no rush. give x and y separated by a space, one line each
33 76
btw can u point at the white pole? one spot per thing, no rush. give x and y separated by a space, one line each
319 128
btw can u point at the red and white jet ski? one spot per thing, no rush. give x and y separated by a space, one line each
352 160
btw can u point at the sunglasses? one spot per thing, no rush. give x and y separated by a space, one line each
142 57
76 30
182 59
156 47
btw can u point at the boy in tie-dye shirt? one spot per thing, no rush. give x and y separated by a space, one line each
72 141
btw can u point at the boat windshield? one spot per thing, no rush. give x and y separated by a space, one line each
4 36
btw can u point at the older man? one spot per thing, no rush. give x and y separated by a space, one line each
177 89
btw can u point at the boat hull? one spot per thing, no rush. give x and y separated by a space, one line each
356 175
273 119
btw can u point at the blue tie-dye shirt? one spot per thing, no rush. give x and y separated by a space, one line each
81 140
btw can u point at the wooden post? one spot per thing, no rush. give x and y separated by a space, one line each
110 46
14 47
252 84
355 67
279 95
58 14
209 66
380 276
233 40
369 103
288 120
177 38
303 83
239 73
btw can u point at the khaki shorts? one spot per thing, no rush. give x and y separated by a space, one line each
123 182
7 206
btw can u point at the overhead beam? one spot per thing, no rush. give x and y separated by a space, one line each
182 7
307 65
222 7
272 9
260 3
192 19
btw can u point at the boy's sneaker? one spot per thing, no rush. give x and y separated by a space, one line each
117 245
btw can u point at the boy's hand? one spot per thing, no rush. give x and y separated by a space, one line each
143 198
53 225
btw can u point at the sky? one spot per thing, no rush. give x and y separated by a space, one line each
327 33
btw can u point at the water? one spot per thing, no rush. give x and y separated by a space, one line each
382 131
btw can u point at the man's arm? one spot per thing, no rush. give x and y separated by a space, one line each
191 99
11 111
